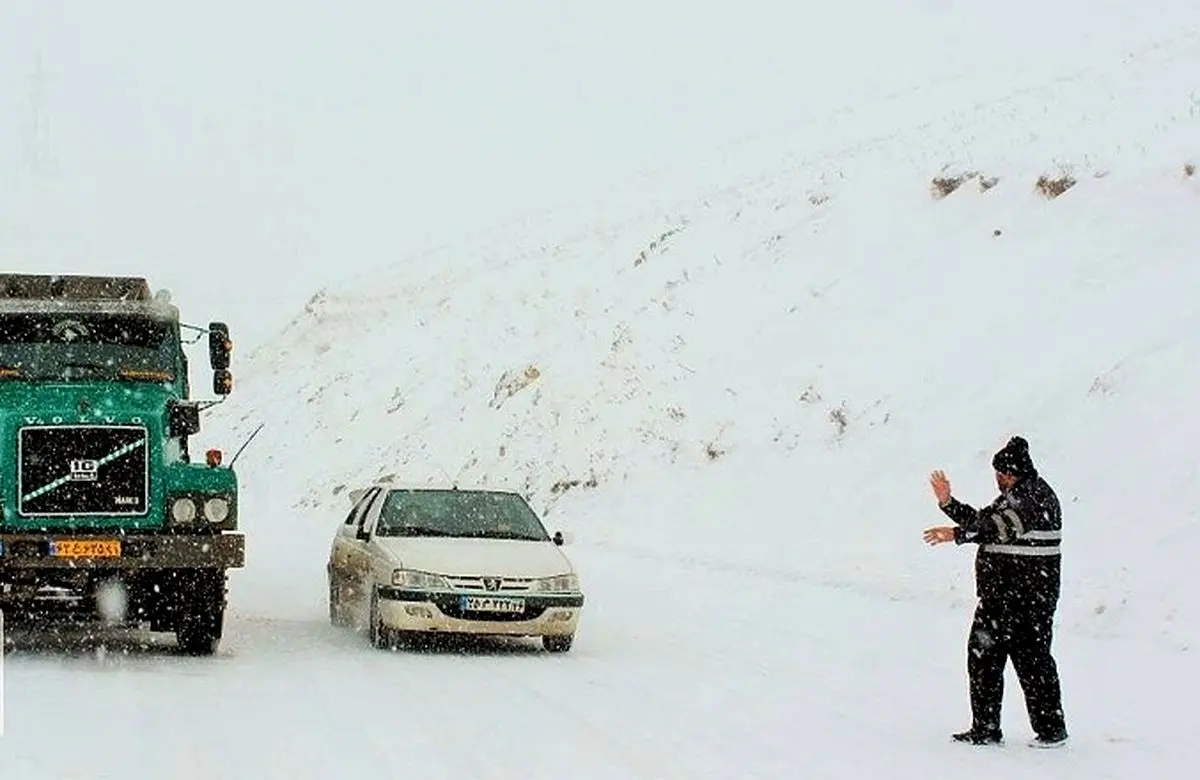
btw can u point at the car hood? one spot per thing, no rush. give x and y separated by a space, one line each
476 557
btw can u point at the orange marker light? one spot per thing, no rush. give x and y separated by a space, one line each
214 458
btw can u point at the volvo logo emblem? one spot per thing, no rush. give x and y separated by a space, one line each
491 583
84 470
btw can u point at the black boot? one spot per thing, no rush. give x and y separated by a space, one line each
1052 740
977 736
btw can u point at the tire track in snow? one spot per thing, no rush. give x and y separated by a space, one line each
456 716
382 721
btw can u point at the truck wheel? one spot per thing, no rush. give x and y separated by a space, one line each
200 621
558 644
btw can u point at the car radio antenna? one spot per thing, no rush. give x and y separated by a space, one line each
246 444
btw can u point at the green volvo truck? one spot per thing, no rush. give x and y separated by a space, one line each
106 515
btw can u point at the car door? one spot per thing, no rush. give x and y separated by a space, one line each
345 545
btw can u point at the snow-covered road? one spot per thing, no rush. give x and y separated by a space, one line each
745 363
680 670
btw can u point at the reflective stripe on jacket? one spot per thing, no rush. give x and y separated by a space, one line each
1019 537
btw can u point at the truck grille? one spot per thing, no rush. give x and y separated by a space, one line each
82 470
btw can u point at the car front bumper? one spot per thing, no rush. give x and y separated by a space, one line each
548 614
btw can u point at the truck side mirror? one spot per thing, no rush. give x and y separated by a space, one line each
219 345
222 382
183 419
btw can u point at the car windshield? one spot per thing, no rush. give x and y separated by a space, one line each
85 347
459 513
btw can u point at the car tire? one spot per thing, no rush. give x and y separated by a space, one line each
336 616
409 640
558 643
378 634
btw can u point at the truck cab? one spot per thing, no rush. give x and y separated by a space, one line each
99 491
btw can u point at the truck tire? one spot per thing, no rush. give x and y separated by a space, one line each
200 621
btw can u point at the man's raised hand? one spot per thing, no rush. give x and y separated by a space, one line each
941 487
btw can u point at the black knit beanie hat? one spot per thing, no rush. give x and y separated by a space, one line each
1014 459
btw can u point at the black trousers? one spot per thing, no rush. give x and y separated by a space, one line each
1021 630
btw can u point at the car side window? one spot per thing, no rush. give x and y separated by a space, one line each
366 521
356 513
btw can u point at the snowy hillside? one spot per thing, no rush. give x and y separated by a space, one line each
785 359
731 381
750 386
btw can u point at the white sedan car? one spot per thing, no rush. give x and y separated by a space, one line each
411 561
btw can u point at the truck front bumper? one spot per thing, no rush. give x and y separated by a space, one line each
122 551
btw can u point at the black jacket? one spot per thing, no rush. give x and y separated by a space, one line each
1018 536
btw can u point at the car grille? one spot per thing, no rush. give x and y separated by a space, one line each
82 470
492 584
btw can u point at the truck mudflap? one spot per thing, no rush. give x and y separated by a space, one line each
122 551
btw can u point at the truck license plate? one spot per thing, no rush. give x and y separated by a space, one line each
86 548
492 604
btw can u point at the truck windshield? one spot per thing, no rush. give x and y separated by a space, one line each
86 347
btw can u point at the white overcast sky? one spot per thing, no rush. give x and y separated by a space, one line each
244 153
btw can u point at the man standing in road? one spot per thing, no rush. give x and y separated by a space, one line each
1017 581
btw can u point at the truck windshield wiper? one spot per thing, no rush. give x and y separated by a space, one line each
148 374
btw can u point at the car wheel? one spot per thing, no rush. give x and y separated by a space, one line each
409 640
336 616
558 644
379 635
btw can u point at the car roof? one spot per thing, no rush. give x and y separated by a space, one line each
357 493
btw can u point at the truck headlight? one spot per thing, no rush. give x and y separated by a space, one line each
563 583
419 580
183 510
216 509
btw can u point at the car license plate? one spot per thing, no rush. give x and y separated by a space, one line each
86 548
492 604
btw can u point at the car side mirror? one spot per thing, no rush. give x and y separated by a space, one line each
563 538
362 534
183 419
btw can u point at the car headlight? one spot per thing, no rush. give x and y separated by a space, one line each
419 580
560 584
216 509
183 510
